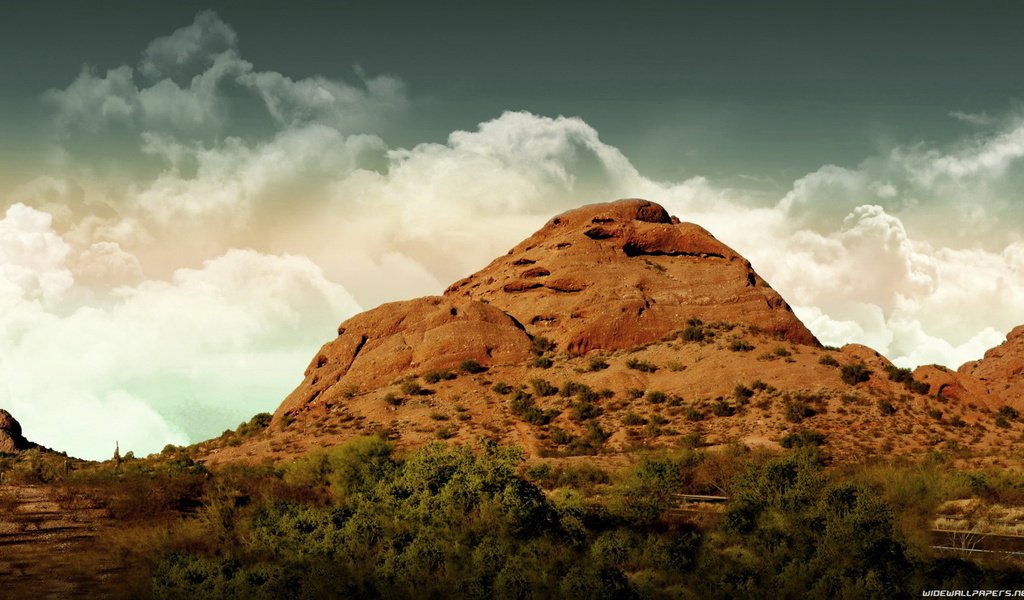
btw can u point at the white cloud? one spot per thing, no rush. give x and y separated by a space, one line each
169 361
190 49
32 257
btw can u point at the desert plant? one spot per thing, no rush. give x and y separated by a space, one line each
798 410
541 344
853 374
828 360
885 407
542 362
542 387
639 365
740 345
436 376
472 367
655 397
631 418
801 438
721 408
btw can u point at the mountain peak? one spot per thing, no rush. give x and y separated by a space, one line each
619 274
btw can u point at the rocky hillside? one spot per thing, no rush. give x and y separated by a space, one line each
616 328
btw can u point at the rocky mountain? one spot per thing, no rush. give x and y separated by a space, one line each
615 328
616 275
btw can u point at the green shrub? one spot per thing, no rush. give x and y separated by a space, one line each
740 345
631 418
885 407
393 399
502 388
436 376
542 387
413 388
853 374
798 410
583 411
542 362
560 436
828 360
1008 412
693 333
639 365
472 367
634 393
597 364
573 388
742 393
721 408
655 397
802 438
542 344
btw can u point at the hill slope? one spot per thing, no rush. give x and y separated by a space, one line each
615 328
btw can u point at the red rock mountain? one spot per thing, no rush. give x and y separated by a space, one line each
616 275
659 331
604 276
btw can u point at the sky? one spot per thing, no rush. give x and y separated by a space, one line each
194 195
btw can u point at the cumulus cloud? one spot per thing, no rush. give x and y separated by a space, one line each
189 49
167 361
185 82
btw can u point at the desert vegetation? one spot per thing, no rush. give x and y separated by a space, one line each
366 519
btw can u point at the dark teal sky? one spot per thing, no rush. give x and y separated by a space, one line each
766 90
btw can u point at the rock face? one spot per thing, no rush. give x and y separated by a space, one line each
375 347
11 440
616 275
604 276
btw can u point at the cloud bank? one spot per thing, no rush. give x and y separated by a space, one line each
163 301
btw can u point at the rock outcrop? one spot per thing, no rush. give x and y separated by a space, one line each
1001 371
620 274
11 439
375 347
